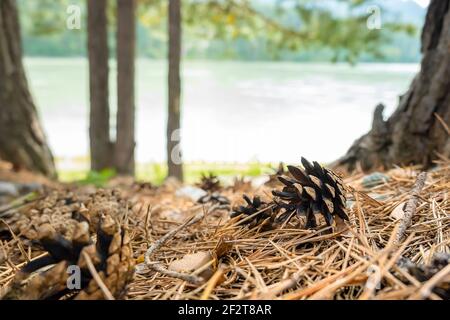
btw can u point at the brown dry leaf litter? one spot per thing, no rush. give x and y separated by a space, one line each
367 258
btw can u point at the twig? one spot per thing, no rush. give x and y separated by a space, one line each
411 205
159 243
146 223
183 276
97 278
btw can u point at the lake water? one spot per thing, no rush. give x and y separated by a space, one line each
232 111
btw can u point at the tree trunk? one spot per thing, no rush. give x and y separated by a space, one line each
417 132
173 124
125 141
22 140
100 143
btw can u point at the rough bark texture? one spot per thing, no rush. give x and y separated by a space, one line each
22 140
417 132
173 123
125 140
101 147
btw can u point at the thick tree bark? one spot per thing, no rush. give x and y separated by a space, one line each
173 124
417 132
125 140
22 140
100 144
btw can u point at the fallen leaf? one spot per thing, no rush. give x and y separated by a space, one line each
191 262
223 246
398 212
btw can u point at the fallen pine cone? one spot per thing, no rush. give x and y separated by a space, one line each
49 277
241 185
273 178
310 191
209 182
424 273
62 209
266 214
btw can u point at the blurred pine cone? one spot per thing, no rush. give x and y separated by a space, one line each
49 277
62 208
240 184
424 273
273 178
209 182
310 191
265 216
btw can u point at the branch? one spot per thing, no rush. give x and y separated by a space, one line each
156 266
411 205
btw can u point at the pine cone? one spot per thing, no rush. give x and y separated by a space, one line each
265 216
312 190
209 183
62 209
240 184
425 272
273 178
49 277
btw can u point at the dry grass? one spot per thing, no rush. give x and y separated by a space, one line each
357 261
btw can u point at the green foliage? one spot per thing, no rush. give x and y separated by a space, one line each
244 29
157 172
292 26
43 17
98 179
84 177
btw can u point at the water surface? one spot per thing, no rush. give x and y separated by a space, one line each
232 111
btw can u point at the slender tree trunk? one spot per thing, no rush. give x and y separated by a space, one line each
100 144
417 132
22 140
125 141
173 124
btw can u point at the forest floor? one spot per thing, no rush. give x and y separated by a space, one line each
396 244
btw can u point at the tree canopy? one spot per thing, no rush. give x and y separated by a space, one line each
244 29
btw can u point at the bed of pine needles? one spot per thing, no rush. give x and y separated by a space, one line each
358 260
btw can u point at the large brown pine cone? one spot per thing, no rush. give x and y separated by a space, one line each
310 191
62 209
66 270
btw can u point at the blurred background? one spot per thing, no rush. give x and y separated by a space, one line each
263 81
